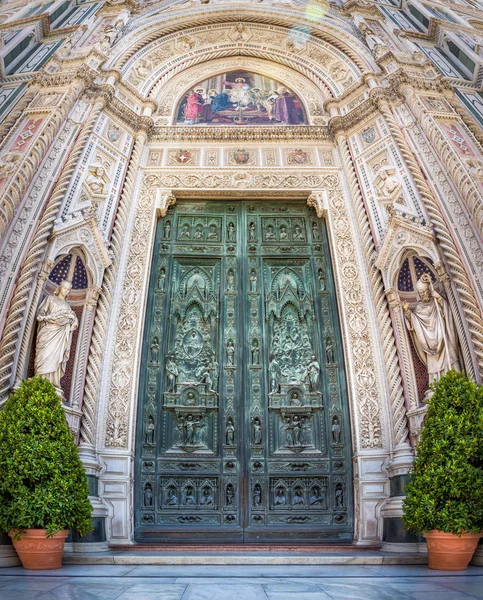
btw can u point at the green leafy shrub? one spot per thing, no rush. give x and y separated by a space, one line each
446 487
43 484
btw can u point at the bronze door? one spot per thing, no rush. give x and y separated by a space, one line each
243 428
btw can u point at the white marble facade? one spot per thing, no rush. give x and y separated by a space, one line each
92 155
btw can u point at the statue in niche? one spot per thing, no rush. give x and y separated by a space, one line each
321 276
297 233
200 426
306 431
253 281
190 431
149 431
198 232
189 498
231 232
298 499
155 350
171 499
230 353
432 330
280 498
57 322
317 499
283 232
161 279
173 372
185 232
315 231
296 430
179 430
329 350
313 373
167 230
206 378
371 39
215 373
255 352
207 498
212 232
336 430
287 431
230 432
252 232
148 495
230 495
295 399
256 431
230 282
275 373
270 234
339 496
257 496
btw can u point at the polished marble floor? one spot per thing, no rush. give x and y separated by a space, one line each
270 582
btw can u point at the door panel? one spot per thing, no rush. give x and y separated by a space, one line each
243 430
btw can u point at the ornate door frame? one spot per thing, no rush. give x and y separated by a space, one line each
366 380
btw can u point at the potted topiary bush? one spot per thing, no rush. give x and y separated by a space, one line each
43 485
444 500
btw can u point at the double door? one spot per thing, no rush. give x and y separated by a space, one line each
243 429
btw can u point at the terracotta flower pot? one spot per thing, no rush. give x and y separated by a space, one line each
36 551
450 552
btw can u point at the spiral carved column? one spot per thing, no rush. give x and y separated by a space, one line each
14 326
93 376
460 279
15 191
470 191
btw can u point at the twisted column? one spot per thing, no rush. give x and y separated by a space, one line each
93 376
456 267
391 360
30 267
11 120
469 191
19 182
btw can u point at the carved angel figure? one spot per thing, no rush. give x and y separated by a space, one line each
56 321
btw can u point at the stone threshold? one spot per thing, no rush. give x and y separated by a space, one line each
241 556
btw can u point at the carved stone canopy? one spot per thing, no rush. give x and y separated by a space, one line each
80 230
404 232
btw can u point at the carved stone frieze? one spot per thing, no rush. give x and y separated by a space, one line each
123 370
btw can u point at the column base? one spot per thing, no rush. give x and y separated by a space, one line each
477 560
8 556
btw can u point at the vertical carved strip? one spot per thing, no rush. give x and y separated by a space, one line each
93 376
391 360
18 305
458 273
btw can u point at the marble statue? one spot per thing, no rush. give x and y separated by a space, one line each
57 321
432 330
